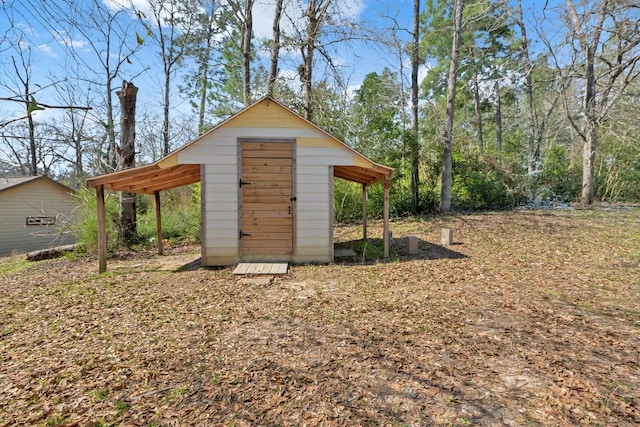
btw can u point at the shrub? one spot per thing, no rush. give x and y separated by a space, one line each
560 180
86 224
479 183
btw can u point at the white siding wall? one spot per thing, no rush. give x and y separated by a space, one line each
314 181
220 187
219 153
36 198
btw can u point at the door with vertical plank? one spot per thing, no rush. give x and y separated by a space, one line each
266 208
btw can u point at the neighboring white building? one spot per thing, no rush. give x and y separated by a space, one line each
35 213
267 185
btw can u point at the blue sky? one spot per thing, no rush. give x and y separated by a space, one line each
49 59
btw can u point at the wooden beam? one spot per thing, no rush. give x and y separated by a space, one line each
120 175
356 175
102 230
159 223
385 209
364 211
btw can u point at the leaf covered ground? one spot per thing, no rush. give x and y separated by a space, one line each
531 318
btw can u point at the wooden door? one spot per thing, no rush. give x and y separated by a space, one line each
266 188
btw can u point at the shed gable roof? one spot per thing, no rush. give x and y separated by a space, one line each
7 184
167 173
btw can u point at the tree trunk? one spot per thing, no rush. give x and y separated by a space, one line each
308 49
498 118
533 139
166 136
445 194
415 141
592 121
204 84
589 164
246 51
33 166
127 151
476 102
275 49
112 157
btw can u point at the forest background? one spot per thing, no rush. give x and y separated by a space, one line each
545 93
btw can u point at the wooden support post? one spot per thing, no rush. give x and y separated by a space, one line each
364 211
158 223
102 230
385 210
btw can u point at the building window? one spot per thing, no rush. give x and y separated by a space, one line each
41 220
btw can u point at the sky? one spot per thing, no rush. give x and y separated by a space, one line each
49 60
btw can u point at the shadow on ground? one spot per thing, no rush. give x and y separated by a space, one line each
372 249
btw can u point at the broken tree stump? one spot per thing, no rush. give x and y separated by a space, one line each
50 253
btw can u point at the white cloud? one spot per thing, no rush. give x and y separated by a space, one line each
46 49
66 40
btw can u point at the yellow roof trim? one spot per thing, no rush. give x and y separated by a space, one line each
170 160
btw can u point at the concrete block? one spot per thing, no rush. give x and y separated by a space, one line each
447 236
412 245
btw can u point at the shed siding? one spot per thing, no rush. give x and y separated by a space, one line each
35 198
221 206
315 153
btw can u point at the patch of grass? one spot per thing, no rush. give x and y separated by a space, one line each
366 250
14 266
55 420
98 394
121 408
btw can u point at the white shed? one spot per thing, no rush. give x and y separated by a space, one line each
267 185
35 212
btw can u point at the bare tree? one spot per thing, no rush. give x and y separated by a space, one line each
606 39
275 48
22 69
323 27
414 138
445 193
104 32
170 24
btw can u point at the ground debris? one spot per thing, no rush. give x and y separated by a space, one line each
536 322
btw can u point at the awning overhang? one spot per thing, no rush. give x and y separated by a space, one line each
148 179
363 175
154 177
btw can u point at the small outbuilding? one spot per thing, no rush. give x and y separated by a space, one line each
35 213
267 179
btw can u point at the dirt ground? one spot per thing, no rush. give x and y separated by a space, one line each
530 318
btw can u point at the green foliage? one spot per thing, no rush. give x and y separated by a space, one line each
481 184
180 217
348 199
561 179
376 128
366 250
86 225
7 267
618 171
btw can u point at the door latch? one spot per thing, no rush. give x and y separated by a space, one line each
244 234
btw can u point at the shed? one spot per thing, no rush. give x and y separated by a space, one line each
267 186
35 212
